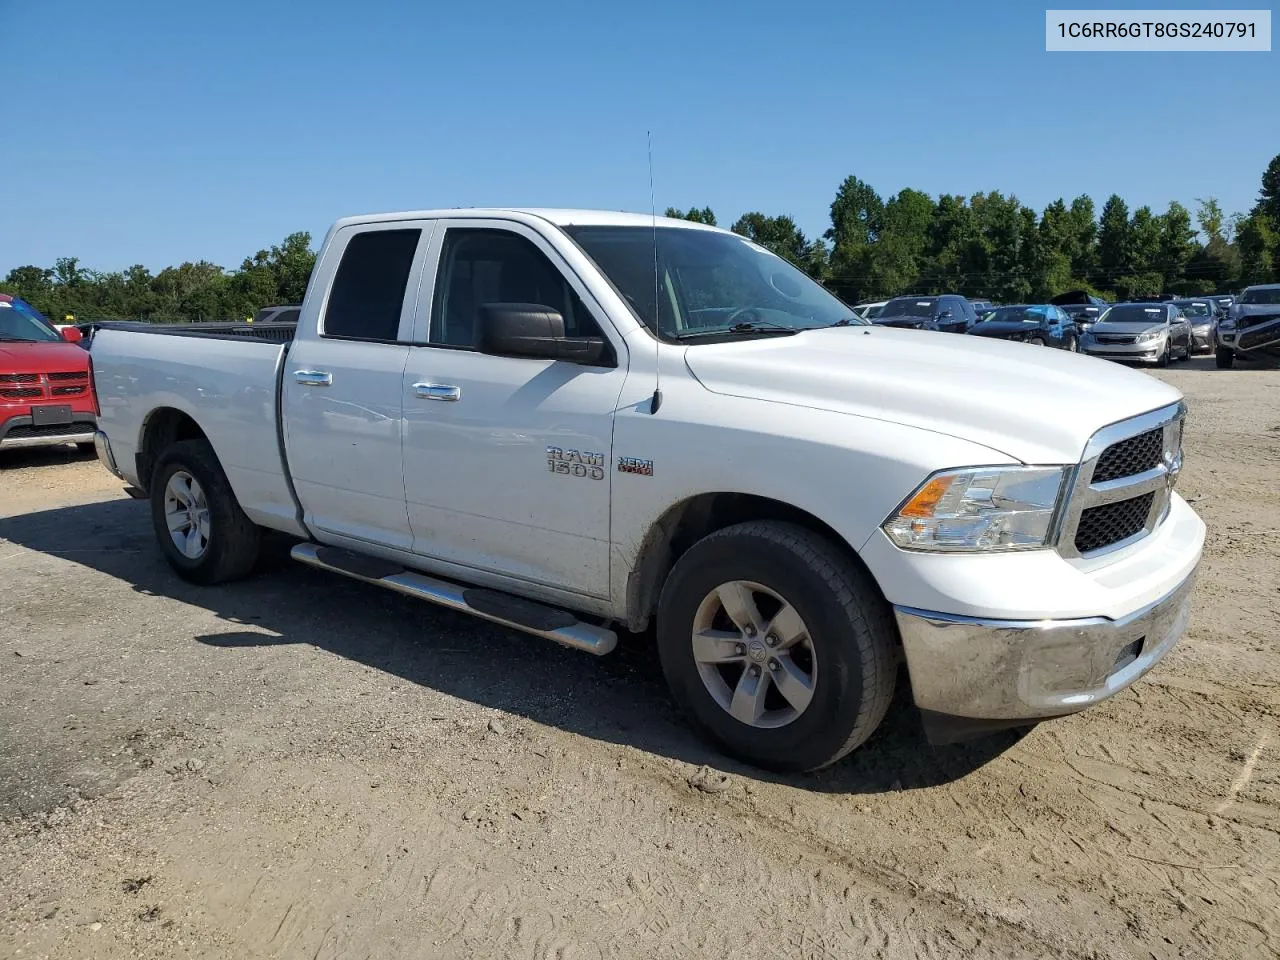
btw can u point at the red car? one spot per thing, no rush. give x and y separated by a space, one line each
46 392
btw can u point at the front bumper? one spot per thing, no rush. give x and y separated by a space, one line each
18 432
1033 669
1131 352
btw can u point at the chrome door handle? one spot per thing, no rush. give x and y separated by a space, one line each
313 378
436 391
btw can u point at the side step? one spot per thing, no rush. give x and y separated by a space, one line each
510 611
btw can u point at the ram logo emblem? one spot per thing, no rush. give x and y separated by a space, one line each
575 463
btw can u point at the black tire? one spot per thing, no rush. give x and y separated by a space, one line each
848 622
86 448
1036 342
1166 356
233 542
1223 358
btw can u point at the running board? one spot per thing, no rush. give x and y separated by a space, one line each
503 608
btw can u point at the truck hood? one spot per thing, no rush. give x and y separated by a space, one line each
51 357
1037 406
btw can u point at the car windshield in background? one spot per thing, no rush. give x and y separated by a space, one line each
707 282
1263 295
1133 313
1197 309
1079 310
21 323
909 307
1015 315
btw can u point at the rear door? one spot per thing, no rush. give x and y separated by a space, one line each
342 398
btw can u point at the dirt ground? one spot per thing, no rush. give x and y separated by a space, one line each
303 766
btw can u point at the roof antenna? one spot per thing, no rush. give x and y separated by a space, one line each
656 402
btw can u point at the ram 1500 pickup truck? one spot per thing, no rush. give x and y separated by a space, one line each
575 423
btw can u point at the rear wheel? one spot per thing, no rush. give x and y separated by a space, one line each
777 647
1223 358
202 531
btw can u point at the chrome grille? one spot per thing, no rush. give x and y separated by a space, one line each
1123 485
1112 522
1135 455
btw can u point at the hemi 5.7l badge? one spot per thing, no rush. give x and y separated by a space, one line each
575 463
635 465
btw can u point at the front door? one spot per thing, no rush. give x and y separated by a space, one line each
342 394
507 459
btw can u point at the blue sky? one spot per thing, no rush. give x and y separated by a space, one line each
148 132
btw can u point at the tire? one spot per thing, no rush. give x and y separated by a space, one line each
229 540
1223 358
1036 342
86 448
1166 356
849 644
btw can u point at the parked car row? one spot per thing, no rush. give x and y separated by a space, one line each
1157 329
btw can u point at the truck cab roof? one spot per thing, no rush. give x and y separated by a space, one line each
562 217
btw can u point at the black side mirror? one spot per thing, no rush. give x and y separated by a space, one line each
533 330
944 315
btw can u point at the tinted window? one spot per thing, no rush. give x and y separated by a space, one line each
287 316
368 291
1134 313
1261 295
479 266
910 307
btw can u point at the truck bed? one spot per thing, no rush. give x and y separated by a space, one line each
224 377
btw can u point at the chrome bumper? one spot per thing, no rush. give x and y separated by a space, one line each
102 446
1011 669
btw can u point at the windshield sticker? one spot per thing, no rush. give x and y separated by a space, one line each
1154 310
922 303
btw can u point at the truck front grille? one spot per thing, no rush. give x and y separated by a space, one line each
1128 457
19 393
19 378
1112 522
1124 483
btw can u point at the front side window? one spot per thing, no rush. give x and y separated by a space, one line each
688 283
20 323
368 290
483 265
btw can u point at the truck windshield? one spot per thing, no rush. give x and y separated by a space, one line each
21 323
1261 295
706 282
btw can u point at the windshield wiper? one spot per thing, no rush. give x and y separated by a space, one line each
850 322
753 327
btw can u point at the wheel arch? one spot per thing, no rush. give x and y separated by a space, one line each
685 523
161 428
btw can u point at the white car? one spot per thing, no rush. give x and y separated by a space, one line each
575 422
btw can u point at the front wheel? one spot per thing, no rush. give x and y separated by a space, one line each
1165 356
776 645
203 533
1036 342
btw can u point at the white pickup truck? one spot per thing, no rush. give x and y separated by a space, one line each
575 422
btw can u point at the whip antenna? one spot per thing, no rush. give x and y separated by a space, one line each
656 402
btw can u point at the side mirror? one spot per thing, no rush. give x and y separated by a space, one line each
944 315
533 330
72 335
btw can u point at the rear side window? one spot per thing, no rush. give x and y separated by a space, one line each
368 290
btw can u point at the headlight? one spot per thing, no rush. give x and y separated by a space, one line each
979 509
1227 323
1149 336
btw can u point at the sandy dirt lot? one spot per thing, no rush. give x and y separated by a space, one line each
303 766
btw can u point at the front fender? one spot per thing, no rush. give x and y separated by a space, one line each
847 471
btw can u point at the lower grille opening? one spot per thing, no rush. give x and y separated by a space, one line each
1112 522
1128 654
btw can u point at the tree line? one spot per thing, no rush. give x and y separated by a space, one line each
987 245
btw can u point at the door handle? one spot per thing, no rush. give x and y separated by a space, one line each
436 391
313 378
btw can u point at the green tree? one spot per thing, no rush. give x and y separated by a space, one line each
703 215
1269 195
1259 245
1177 243
1115 244
1082 228
1210 218
897 258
